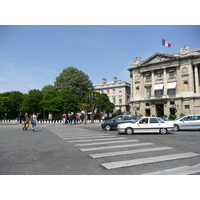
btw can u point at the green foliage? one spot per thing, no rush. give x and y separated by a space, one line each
74 80
10 103
31 102
98 101
117 112
60 101
172 117
47 88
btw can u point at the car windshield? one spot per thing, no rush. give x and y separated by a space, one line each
180 117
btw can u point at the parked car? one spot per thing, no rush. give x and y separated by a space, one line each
146 125
112 123
187 122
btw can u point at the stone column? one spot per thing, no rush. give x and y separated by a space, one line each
132 78
196 75
142 85
165 81
153 83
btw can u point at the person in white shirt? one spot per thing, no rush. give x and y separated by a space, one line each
33 121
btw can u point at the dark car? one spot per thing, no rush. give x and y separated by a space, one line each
112 123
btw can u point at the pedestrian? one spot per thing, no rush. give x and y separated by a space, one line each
82 117
63 117
70 119
20 118
67 119
26 121
33 121
74 119
77 118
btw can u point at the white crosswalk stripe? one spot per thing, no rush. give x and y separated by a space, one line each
118 153
115 146
110 142
87 137
102 139
128 163
184 170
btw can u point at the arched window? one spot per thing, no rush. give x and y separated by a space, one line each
186 85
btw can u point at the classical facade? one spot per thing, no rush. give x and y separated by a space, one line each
166 84
118 92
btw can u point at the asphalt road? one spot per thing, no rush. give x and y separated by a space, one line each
74 150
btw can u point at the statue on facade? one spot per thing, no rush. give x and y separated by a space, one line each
137 60
184 50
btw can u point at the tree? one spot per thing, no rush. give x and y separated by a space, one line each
47 88
57 102
10 103
52 102
98 101
70 102
31 102
74 80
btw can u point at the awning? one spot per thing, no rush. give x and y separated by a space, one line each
158 86
171 85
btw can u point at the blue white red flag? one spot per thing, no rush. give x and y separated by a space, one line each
165 43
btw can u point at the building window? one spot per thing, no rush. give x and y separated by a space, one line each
172 92
147 104
101 91
113 91
187 106
114 100
120 101
148 91
108 91
159 75
148 76
159 93
171 73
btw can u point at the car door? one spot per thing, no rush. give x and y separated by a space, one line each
186 122
154 125
196 121
142 126
117 120
191 122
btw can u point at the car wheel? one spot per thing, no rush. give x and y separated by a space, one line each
176 127
163 131
129 131
107 127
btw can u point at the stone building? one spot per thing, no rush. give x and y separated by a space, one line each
118 92
166 84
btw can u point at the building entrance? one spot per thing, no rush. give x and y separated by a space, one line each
159 110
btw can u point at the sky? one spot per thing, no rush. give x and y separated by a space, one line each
32 56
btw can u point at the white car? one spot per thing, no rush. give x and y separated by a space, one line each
146 125
188 122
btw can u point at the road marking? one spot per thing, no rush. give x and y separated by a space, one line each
128 163
82 135
110 142
118 153
102 139
185 170
115 146
87 137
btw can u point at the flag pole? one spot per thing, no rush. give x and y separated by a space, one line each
161 49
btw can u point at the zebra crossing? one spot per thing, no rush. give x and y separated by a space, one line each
99 145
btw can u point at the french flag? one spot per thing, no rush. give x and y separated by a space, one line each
165 43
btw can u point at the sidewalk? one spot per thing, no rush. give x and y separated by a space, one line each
15 125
